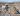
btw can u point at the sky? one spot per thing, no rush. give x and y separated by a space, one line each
9 0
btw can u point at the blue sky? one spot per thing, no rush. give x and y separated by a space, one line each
9 0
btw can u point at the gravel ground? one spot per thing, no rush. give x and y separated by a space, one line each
9 15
